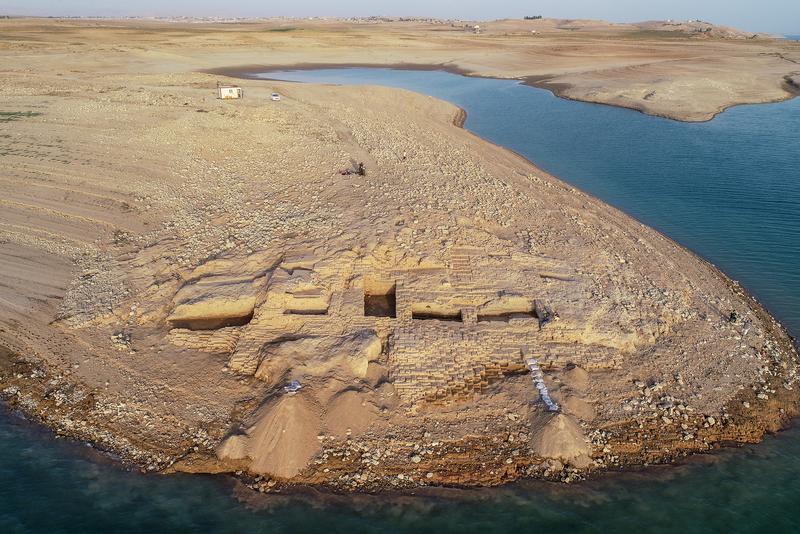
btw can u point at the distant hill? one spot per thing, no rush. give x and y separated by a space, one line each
701 29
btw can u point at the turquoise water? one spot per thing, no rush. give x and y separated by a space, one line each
793 37
56 486
727 189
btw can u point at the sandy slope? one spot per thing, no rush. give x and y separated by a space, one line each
171 262
680 71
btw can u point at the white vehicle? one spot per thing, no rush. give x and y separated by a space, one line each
276 96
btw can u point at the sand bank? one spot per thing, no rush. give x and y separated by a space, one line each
177 262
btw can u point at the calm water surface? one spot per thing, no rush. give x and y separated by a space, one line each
728 189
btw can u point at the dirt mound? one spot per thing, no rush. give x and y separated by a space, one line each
349 411
578 407
576 378
560 437
282 439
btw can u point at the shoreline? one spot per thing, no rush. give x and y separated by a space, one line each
192 202
460 121
238 489
772 418
245 491
557 89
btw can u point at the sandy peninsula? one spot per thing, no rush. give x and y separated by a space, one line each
205 285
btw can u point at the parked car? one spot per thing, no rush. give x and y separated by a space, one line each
276 96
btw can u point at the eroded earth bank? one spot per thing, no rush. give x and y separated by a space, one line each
196 286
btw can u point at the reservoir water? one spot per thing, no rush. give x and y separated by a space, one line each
729 189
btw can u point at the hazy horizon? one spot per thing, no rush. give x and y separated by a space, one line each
774 16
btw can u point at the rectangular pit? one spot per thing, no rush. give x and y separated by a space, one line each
507 307
504 317
211 323
312 301
380 298
434 312
307 312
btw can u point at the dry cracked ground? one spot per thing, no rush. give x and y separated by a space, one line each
201 285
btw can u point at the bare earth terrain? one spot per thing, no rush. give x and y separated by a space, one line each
193 284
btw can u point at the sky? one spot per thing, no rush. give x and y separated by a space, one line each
775 16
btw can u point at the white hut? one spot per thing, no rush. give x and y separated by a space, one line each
229 91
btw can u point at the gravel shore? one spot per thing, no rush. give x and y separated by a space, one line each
208 285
